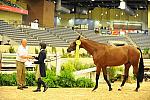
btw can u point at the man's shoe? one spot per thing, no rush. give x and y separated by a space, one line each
37 90
45 88
24 87
20 88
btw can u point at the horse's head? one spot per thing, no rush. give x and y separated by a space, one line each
72 46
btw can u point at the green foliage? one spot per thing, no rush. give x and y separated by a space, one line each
51 79
66 79
11 49
36 51
54 50
30 79
63 51
145 51
114 73
75 65
8 79
84 82
85 55
67 55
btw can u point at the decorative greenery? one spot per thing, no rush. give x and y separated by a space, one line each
146 50
11 49
84 55
8 79
84 82
114 73
51 79
36 51
54 50
30 79
66 79
75 65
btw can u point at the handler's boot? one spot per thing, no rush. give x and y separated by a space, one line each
45 88
38 88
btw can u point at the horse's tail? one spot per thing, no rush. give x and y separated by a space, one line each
140 75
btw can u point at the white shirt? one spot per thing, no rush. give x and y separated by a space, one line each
22 52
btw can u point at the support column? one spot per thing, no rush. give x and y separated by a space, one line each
42 10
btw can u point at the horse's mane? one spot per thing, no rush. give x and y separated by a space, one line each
95 43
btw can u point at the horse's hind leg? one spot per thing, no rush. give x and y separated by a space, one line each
105 77
135 72
97 77
126 73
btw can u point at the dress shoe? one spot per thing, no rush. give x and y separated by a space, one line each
37 90
24 87
45 88
19 88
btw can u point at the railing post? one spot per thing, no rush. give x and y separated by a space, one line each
58 61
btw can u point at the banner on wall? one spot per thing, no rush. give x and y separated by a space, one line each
12 9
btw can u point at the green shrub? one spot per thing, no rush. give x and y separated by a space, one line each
54 50
75 65
84 82
8 79
30 79
36 51
114 73
51 79
66 79
146 50
84 55
11 49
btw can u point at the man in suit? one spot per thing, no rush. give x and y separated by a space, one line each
41 70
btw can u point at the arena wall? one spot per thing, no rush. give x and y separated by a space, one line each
11 17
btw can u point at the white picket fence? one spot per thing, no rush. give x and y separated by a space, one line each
8 61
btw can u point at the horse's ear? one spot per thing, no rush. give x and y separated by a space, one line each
78 37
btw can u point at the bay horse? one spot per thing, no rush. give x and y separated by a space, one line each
107 55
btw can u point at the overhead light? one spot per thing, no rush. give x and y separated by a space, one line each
102 14
137 14
122 13
122 5
73 9
90 11
106 12
116 14
92 0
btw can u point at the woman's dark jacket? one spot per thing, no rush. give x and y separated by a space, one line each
41 57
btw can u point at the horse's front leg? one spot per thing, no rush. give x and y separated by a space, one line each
105 77
98 69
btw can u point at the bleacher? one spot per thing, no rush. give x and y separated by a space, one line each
142 40
101 38
47 37
61 37
16 34
67 34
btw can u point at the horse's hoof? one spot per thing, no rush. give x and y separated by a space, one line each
119 89
94 89
136 90
110 89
